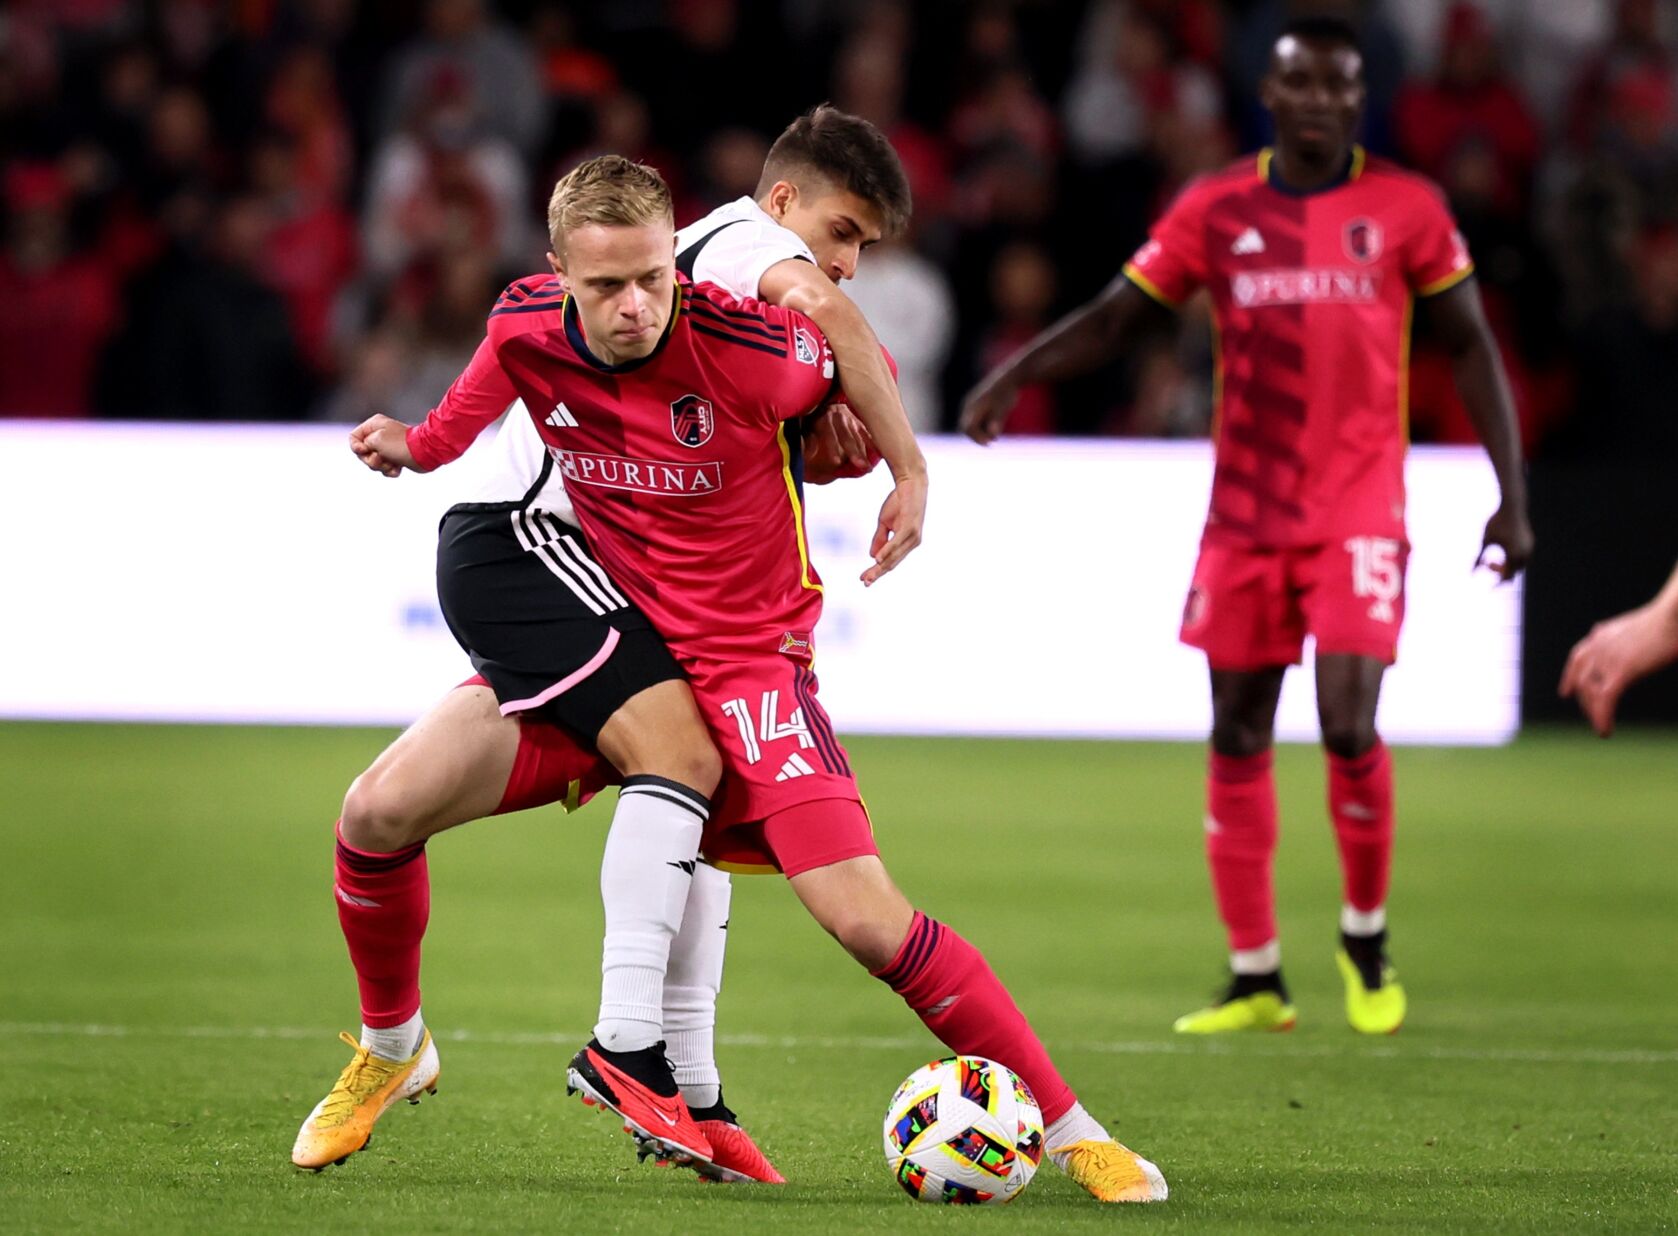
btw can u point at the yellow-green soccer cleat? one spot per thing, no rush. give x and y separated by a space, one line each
1243 1007
1372 1010
342 1123
1111 1172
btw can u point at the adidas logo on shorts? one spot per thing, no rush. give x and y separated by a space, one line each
796 766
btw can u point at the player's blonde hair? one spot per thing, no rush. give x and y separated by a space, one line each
609 190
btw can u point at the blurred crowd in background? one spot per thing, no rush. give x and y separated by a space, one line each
273 210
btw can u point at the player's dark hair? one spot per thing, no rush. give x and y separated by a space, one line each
848 152
1323 28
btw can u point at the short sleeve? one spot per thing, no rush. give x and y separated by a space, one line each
809 377
736 257
1436 257
1172 264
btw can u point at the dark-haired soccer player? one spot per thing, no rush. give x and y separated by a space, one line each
568 666
680 466
1314 256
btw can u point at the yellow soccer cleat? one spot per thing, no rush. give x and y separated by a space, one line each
1371 1010
1111 1172
1259 1010
342 1123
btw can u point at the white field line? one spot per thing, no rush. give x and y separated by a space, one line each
1137 1047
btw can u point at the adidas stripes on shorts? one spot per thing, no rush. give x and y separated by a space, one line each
540 619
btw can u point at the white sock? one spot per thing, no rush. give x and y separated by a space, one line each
395 1042
1355 922
691 985
645 876
1076 1125
1265 959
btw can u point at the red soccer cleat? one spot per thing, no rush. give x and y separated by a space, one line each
735 1158
660 1123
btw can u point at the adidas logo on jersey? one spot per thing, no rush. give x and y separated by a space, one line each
796 766
561 418
1248 242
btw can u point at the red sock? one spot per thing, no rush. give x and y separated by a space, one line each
1241 846
951 987
1360 801
384 901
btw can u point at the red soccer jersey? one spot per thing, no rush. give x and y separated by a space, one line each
481 393
1311 297
680 465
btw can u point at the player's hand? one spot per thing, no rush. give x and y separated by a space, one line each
985 410
837 446
850 438
1614 655
381 443
899 530
1510 531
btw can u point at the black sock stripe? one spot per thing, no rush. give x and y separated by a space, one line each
680 800
648 779
375 864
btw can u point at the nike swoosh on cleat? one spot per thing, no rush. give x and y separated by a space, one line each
669 1120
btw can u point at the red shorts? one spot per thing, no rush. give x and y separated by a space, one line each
1251 607
804 819
550 766
779 753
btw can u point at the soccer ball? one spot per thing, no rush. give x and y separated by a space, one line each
962 1131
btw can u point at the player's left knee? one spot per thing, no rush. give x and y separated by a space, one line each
1348 737
379 817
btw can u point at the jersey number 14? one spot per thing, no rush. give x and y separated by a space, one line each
759 730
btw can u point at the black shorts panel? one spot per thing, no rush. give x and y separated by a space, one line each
541 620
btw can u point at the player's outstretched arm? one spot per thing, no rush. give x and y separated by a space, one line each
482 392
1460 323
1619 651
1078 343
871 393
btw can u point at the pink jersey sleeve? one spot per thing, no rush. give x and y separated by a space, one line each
1172 264
477 397
1436 255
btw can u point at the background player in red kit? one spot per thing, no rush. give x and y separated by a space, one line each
676 454
1313 255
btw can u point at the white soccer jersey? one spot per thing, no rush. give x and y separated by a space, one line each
730 247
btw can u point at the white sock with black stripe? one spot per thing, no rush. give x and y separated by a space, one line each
645 876
691 986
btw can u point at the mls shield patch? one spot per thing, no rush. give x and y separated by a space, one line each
1363 240
805 344
692 420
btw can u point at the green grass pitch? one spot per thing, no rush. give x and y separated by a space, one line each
172 979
